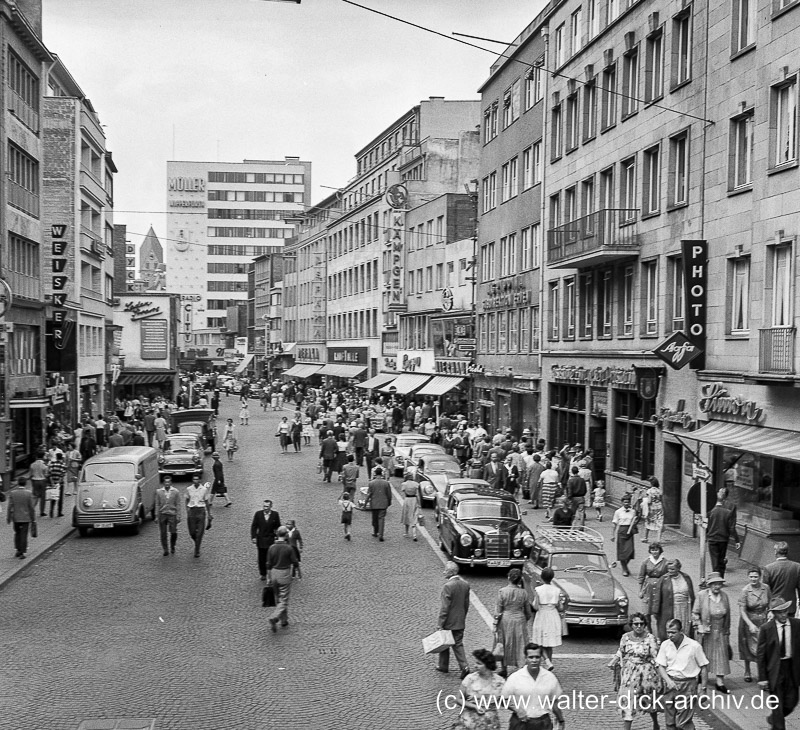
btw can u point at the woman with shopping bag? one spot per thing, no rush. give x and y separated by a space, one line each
511 623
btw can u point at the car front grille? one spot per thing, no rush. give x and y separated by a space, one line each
593 609
175 466
498 545
106 515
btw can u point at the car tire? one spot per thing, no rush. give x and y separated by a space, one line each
83 531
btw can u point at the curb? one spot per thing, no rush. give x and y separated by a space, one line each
44 552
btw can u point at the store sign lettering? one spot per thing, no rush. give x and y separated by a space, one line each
187 184
141 310
595 376
410 364
695 274
394 276
666 417
506 296
390 363
457 367
308 353
716 399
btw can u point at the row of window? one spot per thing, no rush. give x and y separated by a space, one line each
214 322
228 268
520 96
23 267
423 280
519 173
91 341
405 135
353 325
355 235
254 196
237 232
359 279
227 286
516 253
254 214
425 234
509 331
222 303
24 357
260 178
248 251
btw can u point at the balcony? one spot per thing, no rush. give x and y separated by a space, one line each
23 111
92 243
25 200
593 240
776 350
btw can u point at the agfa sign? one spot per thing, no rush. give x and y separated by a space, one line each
677 350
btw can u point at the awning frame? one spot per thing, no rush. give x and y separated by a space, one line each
405 383
434 386
377 381
774 442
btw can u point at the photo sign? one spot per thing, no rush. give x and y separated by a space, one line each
695 272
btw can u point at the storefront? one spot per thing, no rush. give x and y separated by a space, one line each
504 400
90 394
344 365
310 359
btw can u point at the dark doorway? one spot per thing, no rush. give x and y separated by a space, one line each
672 482
597 443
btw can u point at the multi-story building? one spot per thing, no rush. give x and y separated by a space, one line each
268 315
78 196
220 217
509 252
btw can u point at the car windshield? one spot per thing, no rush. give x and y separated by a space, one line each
441 467
180 443
408 441
579 561
487 509
109 472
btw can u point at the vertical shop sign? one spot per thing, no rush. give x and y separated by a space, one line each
397 199
59 284
695 269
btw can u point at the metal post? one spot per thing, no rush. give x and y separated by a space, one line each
703 528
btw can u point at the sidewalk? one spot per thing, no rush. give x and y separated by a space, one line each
51 532
687 550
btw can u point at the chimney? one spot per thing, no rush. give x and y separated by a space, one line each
32 10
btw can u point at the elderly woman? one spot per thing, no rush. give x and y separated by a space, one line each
511 620
624 521
753 605
673 597
639 679
483 683
712 618
653 511
652 569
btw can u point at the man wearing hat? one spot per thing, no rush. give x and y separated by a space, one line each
778 657
218 488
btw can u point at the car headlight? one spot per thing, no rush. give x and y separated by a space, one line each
465 540
196 459
122 501
87 502
517 553
528 541
161 460
622 601
478 552
428 489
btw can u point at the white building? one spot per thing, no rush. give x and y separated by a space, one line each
220 216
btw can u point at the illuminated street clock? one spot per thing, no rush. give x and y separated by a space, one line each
397 196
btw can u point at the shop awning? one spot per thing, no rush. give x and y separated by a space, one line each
439 385
768 441
405 383
35 402
377 381
302 370
342 371
144 378
242 366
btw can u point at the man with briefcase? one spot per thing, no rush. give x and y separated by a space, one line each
453 616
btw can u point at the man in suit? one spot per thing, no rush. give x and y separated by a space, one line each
721 528
453 617
778 657
262 533
22 513
379 497
167 513
491 472
359 443
783 576
509 476
329 453
372 449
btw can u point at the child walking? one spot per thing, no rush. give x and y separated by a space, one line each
308 431
599 498
346 505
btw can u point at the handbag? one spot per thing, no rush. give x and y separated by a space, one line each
52 493
438 641
499 649
421 520
268 596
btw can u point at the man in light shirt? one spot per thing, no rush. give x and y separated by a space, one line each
681 663
536 692
198 511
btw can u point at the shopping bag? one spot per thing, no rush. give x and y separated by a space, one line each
268 596
421 520
438 641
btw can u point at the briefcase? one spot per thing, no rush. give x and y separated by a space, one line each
268 596
438 641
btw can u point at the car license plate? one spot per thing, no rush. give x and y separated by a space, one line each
498 563
103 525
593 621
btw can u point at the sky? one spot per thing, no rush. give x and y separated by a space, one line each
228 80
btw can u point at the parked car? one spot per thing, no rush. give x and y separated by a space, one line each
402 447
416 452
182 455
593 595
483 526
196 421
455 485
433 472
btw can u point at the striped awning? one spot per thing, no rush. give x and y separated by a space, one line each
753 439
405 383
302 370
242 366
342 371
144 378
377 381
439 385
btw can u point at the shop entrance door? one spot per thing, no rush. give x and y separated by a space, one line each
597 443
672 483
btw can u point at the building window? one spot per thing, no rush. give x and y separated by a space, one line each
586 305
575 29
630 82
651 182
743 25
612 11
486 198
570 204
538 88
627 190
429 278
524 329
570 307
782 286
589 111
25 354
482 332
608 110
537 163
556 131
650 297
784 123
560 50
741 151
740 295
505 183
527 168
23 267
636 434
594 17
439 276
502 333
572 130
554 304
526 259
513 331
536 245
587 204
679 169
487 262
491 332
24 84
567 414
528 89
555 210
604 303
493 190
675 306
626 302
536 329
682 47
23 180
513 178
508 246
654 66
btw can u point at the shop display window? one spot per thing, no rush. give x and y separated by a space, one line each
567 414
635 435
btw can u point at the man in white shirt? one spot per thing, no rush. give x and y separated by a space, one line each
681 663
198 511
536 692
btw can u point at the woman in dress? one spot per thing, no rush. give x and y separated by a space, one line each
712 618
284 434
273 400
409 516
673 597
624 521
548 603
511 621
653 511
638 673
341 457
753 605
127 414
479 711
161 429
218 488
387 454
229 438
652 569
244 414
308 430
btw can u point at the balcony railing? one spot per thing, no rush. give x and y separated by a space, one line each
776 350
28 287
23 111
23 199
599 237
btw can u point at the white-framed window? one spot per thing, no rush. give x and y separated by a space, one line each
654 66
741 150
608 109
651 181
440 229
491 331
575 31
526 253
502 332
508 255
513 178
682 47
570 308
537 162
626 301
524 329
559 48
589 111
676 308
492 190
555 312
586 305
679 169
782 272
513 331
650 297
555 133
593 13
536 245
743 27
605 298
570 204
439 277
740 295
587 201
528 89
784 123
627 190
630 82
612 11
527 168
505 189
482 338
538 77
572 132
486 196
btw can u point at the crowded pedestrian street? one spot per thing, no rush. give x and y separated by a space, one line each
107 627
